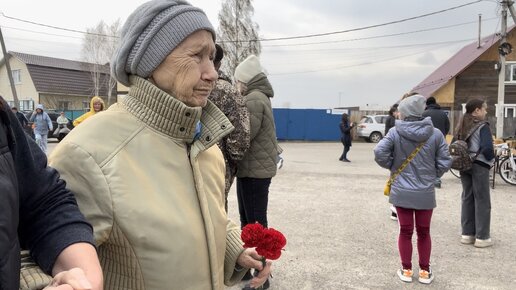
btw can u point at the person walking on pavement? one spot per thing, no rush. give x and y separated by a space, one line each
439 120
232 104
148 173
42 125
40 216
476 197
345 130
416 148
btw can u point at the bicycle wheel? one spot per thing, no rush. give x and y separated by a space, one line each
455 172
507 170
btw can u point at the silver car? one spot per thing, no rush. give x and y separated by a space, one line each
372 127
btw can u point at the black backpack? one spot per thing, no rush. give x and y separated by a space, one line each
461 158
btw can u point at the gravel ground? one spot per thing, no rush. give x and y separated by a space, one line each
339 234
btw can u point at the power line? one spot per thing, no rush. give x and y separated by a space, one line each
56 27
360 28
270 39
384 47
359 64
379 36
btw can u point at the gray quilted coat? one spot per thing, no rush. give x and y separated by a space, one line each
414 187
260 159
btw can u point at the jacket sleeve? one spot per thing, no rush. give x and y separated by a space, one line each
89 185
443 159
256 111
49 122
50 219
486 142
234 247
238 141
383 151
33 116
446 124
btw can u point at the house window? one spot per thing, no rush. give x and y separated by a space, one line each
26 105
63 105
510 72
16 76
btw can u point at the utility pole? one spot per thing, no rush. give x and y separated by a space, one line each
9 73
501 74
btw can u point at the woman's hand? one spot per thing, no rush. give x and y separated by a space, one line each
250 259
73 279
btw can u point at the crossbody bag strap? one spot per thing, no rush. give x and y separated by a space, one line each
406 162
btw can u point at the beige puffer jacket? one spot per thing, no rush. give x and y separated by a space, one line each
154 196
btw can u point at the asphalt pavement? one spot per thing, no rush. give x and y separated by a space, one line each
339 234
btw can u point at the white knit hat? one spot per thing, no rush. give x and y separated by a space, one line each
248 69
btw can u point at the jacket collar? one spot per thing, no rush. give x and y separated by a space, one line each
166 114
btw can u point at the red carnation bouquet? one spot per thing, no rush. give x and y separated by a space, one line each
267 241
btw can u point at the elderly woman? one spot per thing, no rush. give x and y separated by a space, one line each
153 184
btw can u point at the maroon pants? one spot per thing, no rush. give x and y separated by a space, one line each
406 219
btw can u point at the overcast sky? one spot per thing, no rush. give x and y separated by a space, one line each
320 72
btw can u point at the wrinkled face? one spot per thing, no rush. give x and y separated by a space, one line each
188 73
480 113
97 106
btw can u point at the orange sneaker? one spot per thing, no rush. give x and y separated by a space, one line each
425 277
405 275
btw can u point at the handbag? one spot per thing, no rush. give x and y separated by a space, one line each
387 188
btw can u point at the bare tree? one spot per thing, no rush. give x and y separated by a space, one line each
97 48
237 33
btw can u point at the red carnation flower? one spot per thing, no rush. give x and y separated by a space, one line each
252 234
271 245
268 242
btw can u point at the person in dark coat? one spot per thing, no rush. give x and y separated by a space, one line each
391 119
345 129
438 116
21 117
37 213
439 120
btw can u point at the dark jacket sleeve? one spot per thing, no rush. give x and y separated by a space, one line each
486 142
50 219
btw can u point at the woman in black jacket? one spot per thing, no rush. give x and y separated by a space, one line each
345 129
39 214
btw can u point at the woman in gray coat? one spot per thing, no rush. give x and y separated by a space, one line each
413 192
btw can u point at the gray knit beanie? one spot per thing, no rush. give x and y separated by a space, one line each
151 32
413 106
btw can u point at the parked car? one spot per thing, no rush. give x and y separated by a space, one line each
53 117
372 127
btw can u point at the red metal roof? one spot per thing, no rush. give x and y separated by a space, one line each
455 65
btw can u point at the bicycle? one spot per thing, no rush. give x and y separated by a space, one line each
507 164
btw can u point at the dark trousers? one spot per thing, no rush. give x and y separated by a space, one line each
345 153
253 196
476 202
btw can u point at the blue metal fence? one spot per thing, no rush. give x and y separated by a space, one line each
307 124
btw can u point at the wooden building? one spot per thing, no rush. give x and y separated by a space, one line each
473 72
